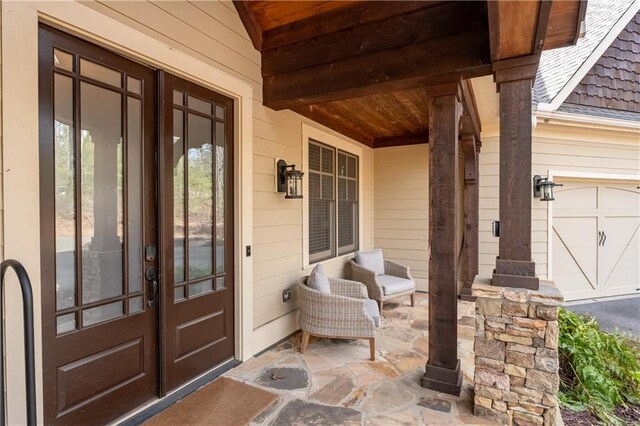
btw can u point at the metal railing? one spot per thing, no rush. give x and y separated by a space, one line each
27 310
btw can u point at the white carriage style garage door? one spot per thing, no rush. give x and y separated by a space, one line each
596 238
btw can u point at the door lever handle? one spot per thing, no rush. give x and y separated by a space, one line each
152 277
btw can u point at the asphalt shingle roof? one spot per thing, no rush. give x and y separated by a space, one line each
559 65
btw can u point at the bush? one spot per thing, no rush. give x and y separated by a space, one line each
599 371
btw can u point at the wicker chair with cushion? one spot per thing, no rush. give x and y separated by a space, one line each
384 279
344 313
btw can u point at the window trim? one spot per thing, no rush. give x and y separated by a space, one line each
309 132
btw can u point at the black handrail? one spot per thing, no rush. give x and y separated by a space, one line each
30 365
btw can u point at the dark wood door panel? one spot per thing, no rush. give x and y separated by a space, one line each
197 245
87 379
97 144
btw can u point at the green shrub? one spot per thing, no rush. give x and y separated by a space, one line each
599 371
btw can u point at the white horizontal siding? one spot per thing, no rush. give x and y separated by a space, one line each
554 148
212 32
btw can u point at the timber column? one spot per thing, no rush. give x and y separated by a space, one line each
514 266
470 248
443 366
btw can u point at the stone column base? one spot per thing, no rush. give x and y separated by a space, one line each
516 353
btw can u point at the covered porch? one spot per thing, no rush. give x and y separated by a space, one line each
397 74
335 383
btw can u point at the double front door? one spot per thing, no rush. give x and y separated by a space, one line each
136 231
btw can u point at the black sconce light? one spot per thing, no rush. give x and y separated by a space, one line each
543 188
289 179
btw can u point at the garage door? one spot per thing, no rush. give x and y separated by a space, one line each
596 239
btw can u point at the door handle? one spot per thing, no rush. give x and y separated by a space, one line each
152 277
599 238
605 238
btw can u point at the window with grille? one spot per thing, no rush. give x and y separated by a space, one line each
333 202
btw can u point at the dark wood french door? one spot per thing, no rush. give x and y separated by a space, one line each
98 228
136 176
197 245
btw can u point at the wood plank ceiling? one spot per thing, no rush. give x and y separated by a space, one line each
363 68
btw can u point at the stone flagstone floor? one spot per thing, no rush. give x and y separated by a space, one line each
336 383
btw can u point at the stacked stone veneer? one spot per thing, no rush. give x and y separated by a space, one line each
516 353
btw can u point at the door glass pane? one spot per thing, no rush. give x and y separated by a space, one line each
198 105
220 196
65 193
135 304
178 98
102 313
178 294
200 195
100 73
178 197
101 180
134 85
219 112
65 323
134 192
219 283
200 288
62 60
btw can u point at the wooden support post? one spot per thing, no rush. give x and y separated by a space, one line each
514 267
470 248
443 367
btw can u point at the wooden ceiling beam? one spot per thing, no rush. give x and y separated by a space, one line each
401 140
392 33
463 55
337 20
250 22
517 28
470 118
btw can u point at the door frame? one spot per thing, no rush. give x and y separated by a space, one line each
566 174
20 148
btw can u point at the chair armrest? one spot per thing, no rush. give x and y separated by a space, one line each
397 270
368 278
347 288
332 315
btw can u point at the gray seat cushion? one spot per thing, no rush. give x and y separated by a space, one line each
371 306
318 280
392 285
371 260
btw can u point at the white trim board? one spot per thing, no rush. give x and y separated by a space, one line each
310 132
591 60
552 174
20 153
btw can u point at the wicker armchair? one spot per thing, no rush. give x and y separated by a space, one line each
345 313
376 284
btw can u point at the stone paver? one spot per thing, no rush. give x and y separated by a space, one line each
340 385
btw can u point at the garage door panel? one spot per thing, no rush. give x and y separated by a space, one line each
621 254
575 256
576 196
584 264
623 197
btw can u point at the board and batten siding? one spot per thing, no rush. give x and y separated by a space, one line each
557 148
213 33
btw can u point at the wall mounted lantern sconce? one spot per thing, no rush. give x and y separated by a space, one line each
289 180
543 188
